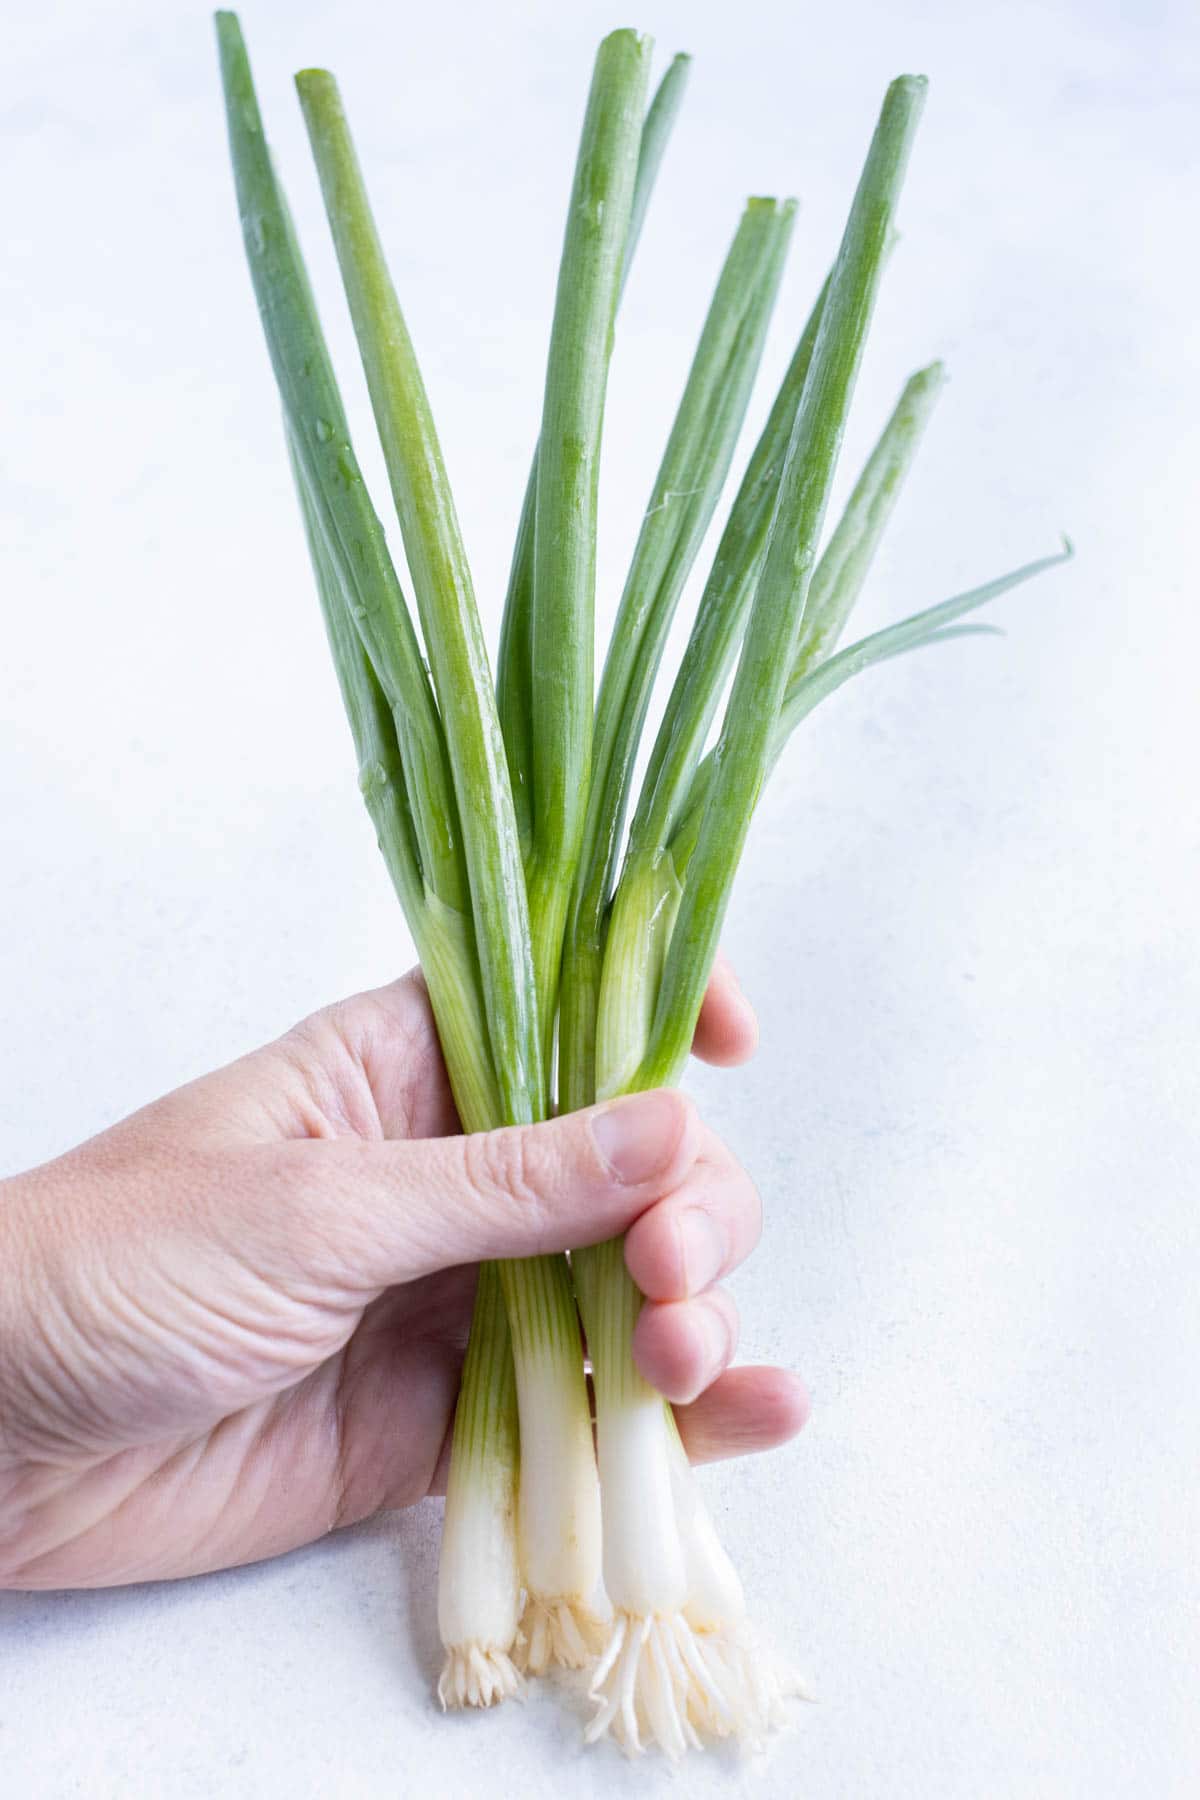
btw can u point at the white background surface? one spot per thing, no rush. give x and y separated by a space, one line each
967 913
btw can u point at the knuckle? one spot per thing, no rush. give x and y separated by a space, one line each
310 1038
397 1019
483 1164
501 1166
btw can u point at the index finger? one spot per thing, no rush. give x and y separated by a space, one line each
727 1030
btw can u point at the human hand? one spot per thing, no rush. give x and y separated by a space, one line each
236 1320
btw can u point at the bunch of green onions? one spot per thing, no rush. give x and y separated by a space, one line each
567 955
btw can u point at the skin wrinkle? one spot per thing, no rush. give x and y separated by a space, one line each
332 1089
713 1182
219 1338
500 1174
379 1049
296 1337
92 1506
60 1377
378 1324
319 1259
209 1347
254 1434
279 1106
337 1223
164 1485
341 1459
367 1480
684 1356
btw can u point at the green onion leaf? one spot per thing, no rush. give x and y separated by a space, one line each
514 669
684 497
848 556
317 424
446 600
744 750
568 467
806 689
721 615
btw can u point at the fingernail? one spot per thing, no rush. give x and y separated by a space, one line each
703 1250
638 1136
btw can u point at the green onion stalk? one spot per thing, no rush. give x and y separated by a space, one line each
680 1661
567 951
434 778
433 775
558 1509
676 1662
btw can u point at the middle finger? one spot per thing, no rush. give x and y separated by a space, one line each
693 1238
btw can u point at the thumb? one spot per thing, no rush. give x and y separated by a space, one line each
370 1215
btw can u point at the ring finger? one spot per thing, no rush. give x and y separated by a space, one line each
681 1346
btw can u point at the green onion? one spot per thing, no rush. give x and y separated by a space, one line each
721 615
846 560
685 494
558 1522
514 672
568 468
743 752
567 958
444 941
446 600
808 686
645 1554
407 780
479 1583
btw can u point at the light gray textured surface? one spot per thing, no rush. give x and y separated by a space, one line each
967 913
